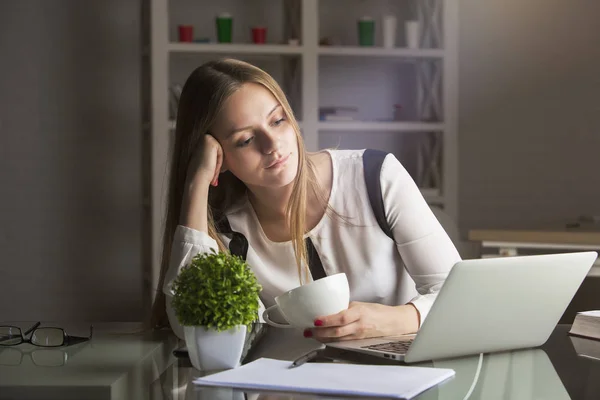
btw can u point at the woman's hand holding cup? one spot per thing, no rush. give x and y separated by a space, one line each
300 306
365 320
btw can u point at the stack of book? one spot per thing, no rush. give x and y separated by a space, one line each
338 113
586 326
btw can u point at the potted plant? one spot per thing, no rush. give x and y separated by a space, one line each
216 299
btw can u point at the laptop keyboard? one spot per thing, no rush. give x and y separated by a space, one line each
399 347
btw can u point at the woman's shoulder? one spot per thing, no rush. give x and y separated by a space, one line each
346 155
354 159
356 156
346 160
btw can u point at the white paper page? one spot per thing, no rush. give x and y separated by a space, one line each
595 313
401 382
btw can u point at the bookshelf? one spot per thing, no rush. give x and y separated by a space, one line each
424 80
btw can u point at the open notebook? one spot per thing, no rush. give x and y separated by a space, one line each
400 382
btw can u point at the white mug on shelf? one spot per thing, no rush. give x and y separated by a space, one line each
389 31
302 305
413 34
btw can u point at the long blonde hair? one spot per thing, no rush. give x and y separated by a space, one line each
202 98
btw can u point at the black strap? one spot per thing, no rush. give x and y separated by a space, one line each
314 261
372 163
238 246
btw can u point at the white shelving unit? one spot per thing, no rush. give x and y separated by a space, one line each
380 126
379 52
209 48
435 67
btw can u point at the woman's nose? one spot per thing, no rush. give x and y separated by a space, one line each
270 142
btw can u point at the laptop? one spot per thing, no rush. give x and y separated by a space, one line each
489 305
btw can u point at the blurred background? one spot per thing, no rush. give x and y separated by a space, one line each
492 106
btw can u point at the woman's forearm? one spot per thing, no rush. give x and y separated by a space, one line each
194 208
409 321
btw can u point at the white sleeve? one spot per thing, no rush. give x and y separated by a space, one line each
187 243
425 247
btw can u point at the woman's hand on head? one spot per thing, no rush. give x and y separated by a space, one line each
206 163
365 320
203 171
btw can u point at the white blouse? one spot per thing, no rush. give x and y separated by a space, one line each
379 270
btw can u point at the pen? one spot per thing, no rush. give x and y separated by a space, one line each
305 358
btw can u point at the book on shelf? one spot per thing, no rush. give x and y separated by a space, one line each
584 223
331 117
338 113
586 324
338 109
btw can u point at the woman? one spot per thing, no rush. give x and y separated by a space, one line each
238 152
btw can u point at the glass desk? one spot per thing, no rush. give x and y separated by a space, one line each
118 365
554 371
120 362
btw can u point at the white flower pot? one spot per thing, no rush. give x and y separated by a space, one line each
210 349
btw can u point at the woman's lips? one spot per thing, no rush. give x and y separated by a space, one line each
279 162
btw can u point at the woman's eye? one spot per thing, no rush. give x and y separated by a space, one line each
279 121
246 142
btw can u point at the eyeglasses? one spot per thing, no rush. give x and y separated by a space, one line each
43 337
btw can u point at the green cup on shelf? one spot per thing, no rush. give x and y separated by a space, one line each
224 27
366 31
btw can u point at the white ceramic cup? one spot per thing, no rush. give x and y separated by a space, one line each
389 31
302 305
413 34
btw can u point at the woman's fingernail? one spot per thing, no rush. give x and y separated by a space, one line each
217 182
307 333
318 322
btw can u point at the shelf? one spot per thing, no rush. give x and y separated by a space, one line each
172 124
381 126
380 52
281 49
211 48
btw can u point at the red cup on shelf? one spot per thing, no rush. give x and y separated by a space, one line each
259 34
186 33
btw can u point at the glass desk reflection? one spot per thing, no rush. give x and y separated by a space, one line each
142 366
523 374
553 371
120 362
39 356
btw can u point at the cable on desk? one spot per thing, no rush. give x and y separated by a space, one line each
475 378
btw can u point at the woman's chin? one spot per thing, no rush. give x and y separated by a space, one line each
282 179
275 177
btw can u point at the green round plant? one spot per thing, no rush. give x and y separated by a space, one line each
216 290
